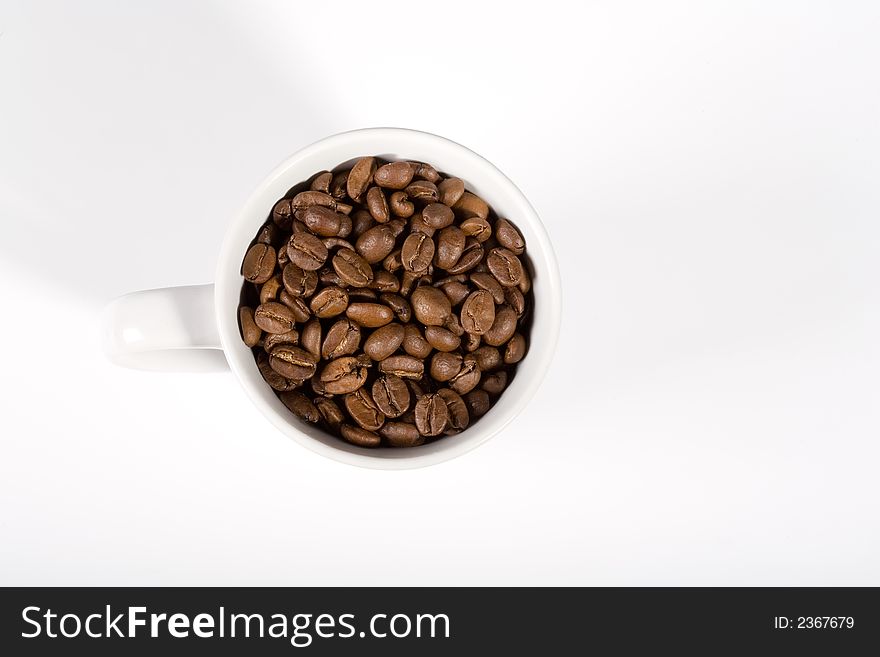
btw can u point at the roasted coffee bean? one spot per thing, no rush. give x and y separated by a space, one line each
502 328
423 191
376 243
488 358
406 367
293 362
494 383
307 199
444 366
391 395
432 415
384 281
324 221
478 312
259 263
328 276
454 326
505 267
477 402
471 342
431 306
426 172
398 226
408 281
331 413
456 292
394 175
269 234
417 253
363 410
273 378
398 305
369 315
470 257
400 205
359 437
378 205
272 340
384 341
401 434
339 185
393 262
442 339
282 258
297 306
417 225
451 190
458 412
509 237
362 294
343 375
352 268
270 289
336 243
300 405
450 246
471 205
321 182
468 376
414 342
515 349
251 333
515 299
299 282
476 227
274 317
343 338
306 251
311 337
360 176
362 221
525 283
329 302
485 281
437 215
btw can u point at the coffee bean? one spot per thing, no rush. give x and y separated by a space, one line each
471 205
323 221
352 268
300 405
311 337
336 243
292 362
494 383
450 245
329 302
454 326
485 281
306 199
343 338
385 282
274 317
468 376
470 257
392 262
272 340
282 213
515 349
369 315
362 221
406 367
400 205
297 306
299 282
426 172
471 342
488 358
391 395
442 339
417 253
477 402
456 292
394 175
414 342
418 225
363 410
282 258
329 411
478 312
321 182
328 276
509 237
437 215
525 283
458 412
384 341
451 190
360 176
476 227
502 328
378 205
376 243
401 434
431 306
515 299
432 415
362 294
259 263
399 306
343 375
359 437
444 366
273 378
339 185
306 251
505 267
250 332
269 290
423 191
269 234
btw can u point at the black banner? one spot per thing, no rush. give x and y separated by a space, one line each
435 621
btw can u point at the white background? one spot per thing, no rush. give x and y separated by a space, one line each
708 173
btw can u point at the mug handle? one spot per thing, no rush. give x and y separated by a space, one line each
171 329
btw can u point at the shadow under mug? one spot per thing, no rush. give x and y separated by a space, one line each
195 328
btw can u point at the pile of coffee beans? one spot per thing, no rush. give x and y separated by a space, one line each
386 302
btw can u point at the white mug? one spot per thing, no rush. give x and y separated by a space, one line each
194 327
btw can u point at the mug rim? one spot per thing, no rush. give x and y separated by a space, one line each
378 141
